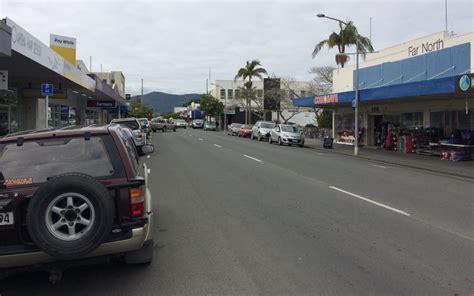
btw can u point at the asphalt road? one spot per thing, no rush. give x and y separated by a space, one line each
241 217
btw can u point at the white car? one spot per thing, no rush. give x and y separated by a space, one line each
261 130
134 125
286 134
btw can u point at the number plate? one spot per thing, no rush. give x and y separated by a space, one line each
6 218
295 141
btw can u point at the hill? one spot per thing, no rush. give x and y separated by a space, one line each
164 103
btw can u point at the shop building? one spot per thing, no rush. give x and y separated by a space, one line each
79 97
414 97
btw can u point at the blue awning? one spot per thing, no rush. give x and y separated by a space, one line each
420 88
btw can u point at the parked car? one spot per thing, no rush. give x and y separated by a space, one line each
210 126
233 129
180 123
261 130
134 125
145 125
286 134
197 123
245 131
160 124
71 196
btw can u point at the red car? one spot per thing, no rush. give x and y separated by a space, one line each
245 131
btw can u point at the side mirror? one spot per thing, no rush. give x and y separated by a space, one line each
145 149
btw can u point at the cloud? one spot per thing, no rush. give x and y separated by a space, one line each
172 45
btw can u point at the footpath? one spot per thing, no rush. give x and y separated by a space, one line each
464 169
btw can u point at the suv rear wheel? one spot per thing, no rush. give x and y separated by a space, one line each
70 215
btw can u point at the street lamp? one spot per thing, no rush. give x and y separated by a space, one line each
225 103
356 88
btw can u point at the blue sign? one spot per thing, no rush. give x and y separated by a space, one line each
47 89
353 103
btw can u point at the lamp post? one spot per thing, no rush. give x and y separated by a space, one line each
356 88
225 102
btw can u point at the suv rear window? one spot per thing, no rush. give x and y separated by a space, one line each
42 159
133 125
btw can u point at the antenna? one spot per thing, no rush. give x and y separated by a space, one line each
370 29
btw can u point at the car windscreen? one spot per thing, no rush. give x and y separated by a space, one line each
289 129
237 125
39 160
132 124
267 125
143 122
246 126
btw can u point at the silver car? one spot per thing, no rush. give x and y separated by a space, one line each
286 134
261 130
134 125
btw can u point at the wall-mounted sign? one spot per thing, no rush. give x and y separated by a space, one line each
331 98
465 83
426 47
101 104
3 79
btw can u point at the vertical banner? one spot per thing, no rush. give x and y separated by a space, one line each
64 46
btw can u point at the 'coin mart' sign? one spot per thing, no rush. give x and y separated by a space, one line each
425 47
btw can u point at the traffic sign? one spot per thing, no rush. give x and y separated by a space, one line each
3 79
47 89
354 103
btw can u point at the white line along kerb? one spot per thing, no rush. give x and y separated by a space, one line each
379 166
253 158
218 146
371 201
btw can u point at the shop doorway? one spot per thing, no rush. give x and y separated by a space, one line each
4 120
374 130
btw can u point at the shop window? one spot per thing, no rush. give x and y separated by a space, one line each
412 120
449 121
58 116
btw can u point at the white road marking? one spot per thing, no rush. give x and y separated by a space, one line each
190 135
371 201
379 166
200 139
218 146
253 158
319 153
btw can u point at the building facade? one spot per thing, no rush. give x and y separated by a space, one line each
410 97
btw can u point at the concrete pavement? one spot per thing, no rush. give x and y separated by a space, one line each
241 217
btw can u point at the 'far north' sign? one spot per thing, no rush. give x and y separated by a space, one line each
425 47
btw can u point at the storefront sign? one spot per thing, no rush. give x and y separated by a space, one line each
64 46
465 83
332 98
101 104
3 79
425 47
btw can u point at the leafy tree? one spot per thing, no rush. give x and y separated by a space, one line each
211 106
139 110
347 36
324 118
322 81
247 73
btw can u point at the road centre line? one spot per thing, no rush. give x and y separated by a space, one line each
218 146
319 153
253 158
379 166
200 139
371 201
190 135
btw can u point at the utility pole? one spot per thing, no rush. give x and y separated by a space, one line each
90 64
370 29
446 14
141 98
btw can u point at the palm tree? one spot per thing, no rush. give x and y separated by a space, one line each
250 70
347 36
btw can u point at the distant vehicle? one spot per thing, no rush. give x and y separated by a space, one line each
286 134
160 124
210 126
145 125
197 123
180 123
233 129
134 125
261 130
83 193
245 131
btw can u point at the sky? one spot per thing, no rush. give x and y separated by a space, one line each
171 45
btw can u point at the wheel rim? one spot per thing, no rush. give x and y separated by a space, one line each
70 216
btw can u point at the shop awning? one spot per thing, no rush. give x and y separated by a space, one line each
414 89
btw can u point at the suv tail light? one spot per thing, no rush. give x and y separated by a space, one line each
137 201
